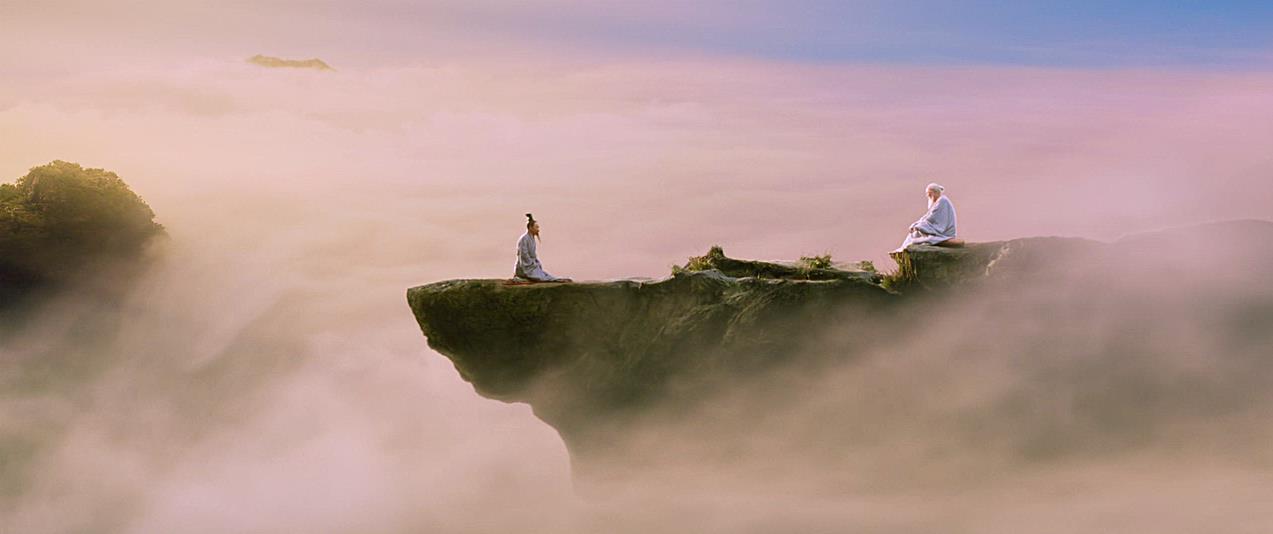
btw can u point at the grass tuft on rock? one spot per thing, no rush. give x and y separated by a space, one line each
808 264
701 263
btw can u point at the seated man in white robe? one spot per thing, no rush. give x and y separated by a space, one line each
937 226
528 266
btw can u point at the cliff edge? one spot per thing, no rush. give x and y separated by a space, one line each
589 356
596 360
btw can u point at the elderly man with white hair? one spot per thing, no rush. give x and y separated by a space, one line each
937 227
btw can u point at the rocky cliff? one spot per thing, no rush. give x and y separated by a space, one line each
591 358
582 350
579 353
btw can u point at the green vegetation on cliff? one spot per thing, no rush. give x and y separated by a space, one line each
61 219
807 268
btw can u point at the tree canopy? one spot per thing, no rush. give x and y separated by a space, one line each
60 219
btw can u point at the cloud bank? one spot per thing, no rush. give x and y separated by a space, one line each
269 377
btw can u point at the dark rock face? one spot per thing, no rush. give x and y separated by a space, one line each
588 357
930 267
579 351
585 353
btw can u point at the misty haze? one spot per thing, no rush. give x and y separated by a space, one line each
1096 358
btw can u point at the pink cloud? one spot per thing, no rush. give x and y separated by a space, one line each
778 159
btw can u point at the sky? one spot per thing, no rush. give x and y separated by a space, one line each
1079 34
770 126
1074 34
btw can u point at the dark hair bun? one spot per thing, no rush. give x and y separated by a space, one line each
530 217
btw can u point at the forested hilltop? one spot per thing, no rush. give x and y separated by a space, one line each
62 222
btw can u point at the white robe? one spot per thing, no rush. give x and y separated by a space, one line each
528 265
934 227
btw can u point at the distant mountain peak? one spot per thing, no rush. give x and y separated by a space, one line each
275 62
